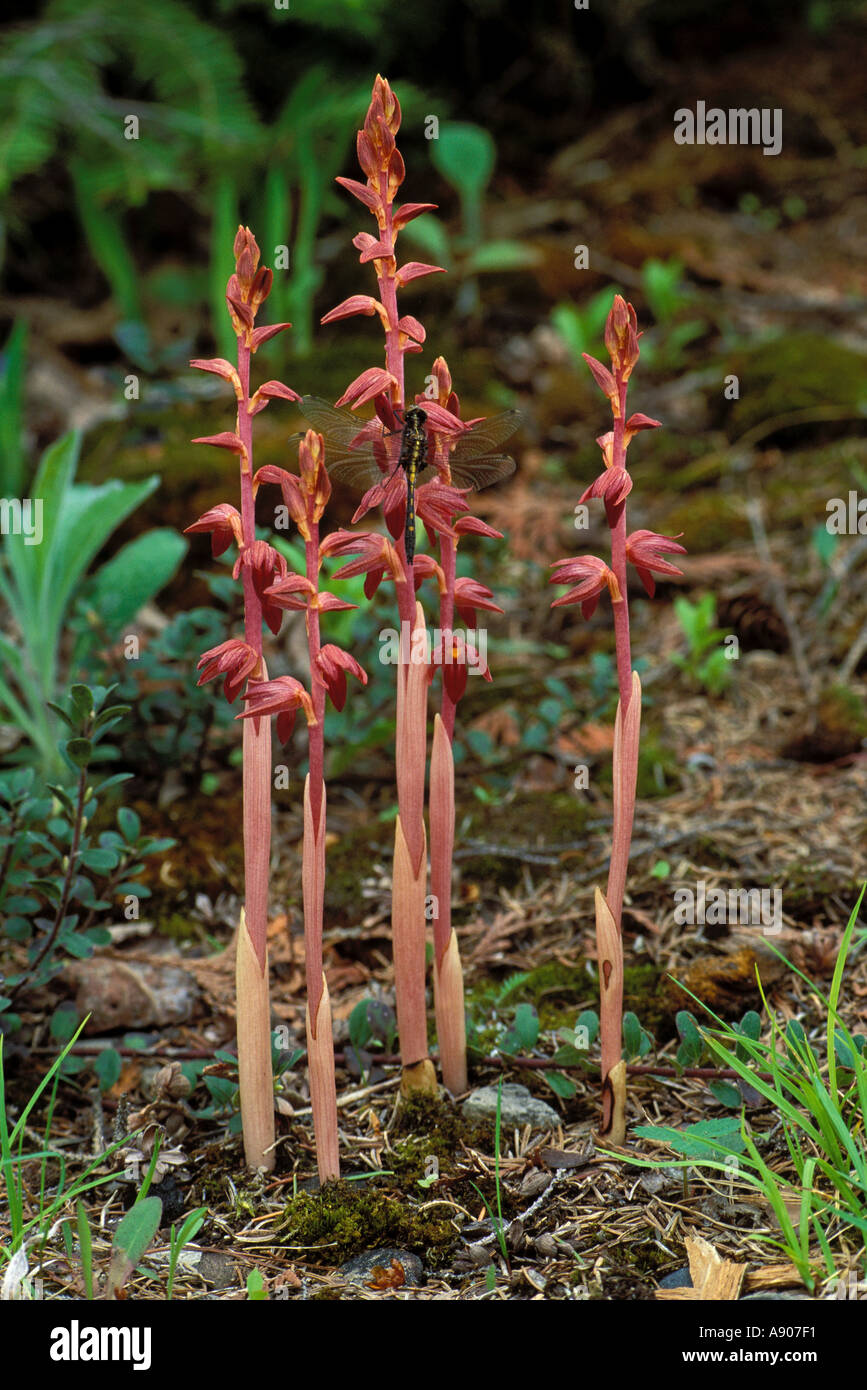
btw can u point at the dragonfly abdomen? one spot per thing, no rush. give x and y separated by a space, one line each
413 459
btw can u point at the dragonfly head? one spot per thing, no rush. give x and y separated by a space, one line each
415 417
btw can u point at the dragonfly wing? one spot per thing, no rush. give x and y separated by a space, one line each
356 472
336 425
487 436
482 472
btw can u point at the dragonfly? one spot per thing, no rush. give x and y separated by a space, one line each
474 462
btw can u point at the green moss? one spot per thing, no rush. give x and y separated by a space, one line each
178 927
837 730
797 371
708 521
343 1219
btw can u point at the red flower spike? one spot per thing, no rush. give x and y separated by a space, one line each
643 549
283 697
233 659
224 523
595 576
333 664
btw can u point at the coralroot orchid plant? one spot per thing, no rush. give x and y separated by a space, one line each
269 589
241 663
437 504
305 498
591 577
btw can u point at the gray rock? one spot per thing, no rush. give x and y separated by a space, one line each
678 1279
360 1269
518 1107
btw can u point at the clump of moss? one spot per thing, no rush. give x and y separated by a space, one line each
343 1220
838 728
794 372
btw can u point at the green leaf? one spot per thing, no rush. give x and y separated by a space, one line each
700 1140
360 1031
589 1019
100 860
129 823
81 697
132 577
108 1067
465 155
79 751
134 1234
12 456
503 255
726 1093
64 1022
631 1036
560 1085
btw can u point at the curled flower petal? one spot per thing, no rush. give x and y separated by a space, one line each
594 576
233 659
643 550
224 524
283 697
376 381
333 664
375 554
470 595
474 526
455 657
266 566
287 593
612 486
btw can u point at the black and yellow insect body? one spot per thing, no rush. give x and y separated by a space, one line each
473 461
413 460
